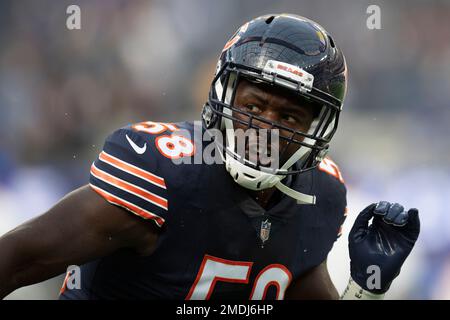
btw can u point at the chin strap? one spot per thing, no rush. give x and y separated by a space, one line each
301 198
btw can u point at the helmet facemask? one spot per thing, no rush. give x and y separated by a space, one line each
311 146
284 51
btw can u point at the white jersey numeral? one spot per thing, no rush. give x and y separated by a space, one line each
215 269
273 275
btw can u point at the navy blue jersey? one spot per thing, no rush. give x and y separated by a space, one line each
215 242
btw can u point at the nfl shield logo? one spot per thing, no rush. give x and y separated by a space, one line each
265 230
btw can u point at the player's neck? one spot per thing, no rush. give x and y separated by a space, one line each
263 197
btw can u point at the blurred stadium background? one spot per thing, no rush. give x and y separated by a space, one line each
62 92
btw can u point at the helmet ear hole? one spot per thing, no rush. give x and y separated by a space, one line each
331 41
270 19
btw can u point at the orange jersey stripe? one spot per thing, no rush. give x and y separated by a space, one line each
129 206
145 175
119 183
327 165
64 286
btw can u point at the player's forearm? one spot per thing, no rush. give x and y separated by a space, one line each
331 293
12 262
315 284
327 291
316 291
20 264
6 266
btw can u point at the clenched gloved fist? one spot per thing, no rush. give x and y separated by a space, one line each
384 244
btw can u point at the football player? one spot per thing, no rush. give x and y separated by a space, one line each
147 227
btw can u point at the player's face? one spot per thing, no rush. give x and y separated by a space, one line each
277 105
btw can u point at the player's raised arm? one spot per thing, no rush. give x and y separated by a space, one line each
79 228
315 284
379 249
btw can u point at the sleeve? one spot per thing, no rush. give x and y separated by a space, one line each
338 194
125 175
342 218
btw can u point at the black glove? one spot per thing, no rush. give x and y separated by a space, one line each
385 244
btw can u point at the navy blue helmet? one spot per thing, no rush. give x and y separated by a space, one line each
292 52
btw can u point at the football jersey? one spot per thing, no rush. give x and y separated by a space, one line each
216 241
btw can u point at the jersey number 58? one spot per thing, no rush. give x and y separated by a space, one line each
215 269
171 146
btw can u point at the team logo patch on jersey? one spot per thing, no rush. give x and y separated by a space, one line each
264 233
